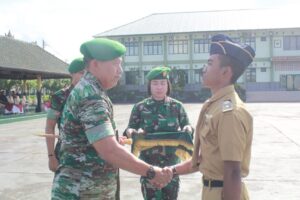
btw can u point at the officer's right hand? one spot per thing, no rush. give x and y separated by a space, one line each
162 177
52 163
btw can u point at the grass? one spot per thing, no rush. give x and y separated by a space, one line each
4 119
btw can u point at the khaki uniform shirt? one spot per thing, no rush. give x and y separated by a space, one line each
224 133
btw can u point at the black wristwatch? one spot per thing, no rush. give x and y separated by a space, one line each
150 174
174 171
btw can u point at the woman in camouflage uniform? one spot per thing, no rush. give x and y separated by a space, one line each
159 113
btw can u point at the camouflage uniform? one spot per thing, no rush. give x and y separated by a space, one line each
87 118
159 116
58 100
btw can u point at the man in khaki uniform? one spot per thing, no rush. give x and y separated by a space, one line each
224 130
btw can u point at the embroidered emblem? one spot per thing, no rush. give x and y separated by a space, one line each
227 106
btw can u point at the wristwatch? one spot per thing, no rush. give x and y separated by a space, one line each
174 171
150 174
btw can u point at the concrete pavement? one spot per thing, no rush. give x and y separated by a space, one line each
274 170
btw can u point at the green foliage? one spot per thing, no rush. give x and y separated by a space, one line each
7 84
119 94
53 85
46 97
177 78
241 91
31 99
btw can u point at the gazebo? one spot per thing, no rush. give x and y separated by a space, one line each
27 61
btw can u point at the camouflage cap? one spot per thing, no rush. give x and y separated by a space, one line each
76 65
102 49
159 73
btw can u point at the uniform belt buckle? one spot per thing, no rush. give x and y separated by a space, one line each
209 183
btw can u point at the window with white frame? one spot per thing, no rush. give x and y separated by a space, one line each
201 45
153 48
251 41
197 75
132 48
251 75
178 47
131 77
291 42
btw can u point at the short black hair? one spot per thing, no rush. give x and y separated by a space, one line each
235 65
168 91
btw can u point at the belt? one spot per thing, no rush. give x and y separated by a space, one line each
212 183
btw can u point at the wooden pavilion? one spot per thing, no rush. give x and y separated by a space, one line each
27 61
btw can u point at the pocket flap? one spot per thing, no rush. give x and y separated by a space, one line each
204 131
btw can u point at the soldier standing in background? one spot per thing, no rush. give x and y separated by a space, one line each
58 100
159 113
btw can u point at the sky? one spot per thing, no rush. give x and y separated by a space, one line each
65 24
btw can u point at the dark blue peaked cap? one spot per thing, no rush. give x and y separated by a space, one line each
222 44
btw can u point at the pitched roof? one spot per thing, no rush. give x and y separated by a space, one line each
226 20
22 60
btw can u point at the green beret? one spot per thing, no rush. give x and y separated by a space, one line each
158 73
76 65
102 49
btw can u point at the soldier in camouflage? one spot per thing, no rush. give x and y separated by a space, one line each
89 153
58 100
159 113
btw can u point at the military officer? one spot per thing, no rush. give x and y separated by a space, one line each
224 131
90 153
159 113
58 99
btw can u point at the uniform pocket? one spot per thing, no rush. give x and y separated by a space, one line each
205 131
208 135
147 118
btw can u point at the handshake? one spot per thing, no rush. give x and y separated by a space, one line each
160 177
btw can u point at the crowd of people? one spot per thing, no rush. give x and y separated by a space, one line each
89 152
12 103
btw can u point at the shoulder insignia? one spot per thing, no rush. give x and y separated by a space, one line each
227 106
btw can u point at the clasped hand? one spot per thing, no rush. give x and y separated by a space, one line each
163 176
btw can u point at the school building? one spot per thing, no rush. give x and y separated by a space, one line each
182 40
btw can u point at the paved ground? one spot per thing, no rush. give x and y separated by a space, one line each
275 165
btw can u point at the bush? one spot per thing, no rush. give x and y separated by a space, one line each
119 94
240 91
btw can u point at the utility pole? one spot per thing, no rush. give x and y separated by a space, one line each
43 44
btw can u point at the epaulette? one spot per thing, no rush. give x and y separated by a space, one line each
227 106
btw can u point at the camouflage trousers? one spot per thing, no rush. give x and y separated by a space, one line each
73 184
169 192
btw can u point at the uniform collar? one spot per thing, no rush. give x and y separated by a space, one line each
221 93
166 101
92 79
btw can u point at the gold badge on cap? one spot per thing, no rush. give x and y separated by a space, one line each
227 106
